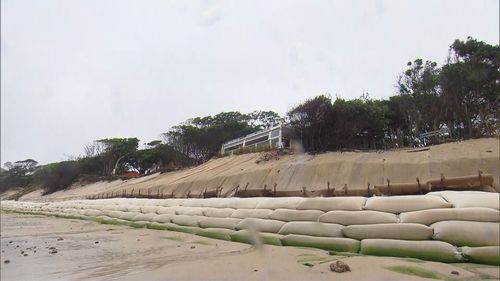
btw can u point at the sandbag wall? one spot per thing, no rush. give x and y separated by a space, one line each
448 226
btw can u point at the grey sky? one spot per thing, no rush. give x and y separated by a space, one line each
75 71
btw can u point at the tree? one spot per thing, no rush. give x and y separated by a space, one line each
470 84
313 120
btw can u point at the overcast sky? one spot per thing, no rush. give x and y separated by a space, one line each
75 71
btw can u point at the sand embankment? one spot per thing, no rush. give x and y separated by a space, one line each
293 172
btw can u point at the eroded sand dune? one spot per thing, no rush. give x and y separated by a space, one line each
291 173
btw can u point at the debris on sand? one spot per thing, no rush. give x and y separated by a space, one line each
60 239
6 261
339 267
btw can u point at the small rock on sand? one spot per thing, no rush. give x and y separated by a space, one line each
6 261
339 267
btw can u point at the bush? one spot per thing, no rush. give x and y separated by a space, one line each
57 176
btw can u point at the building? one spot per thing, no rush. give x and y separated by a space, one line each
274 137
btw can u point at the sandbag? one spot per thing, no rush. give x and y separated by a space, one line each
243 203
465 199
217 212
332 203
134 208
229 223
244 236
312 229
144 217
358 217
467 233
171 202
426 250
401 231
186 220
192 202
431 216
279 203
405 203
216 233
114 214
129 215
261 225
464 182
216 202
166 210
325 243
190 211
149 209
484 255
92 213
295 215
252 213
165 218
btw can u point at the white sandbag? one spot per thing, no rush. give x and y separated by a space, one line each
113 214
244 203
252 213
354 203
261 225
484 255
279 203
187 220
400 231
295 215
464 199
405 203
431 216
216 233
165 218
128 215
426 250
192 202
358 217
190 211
134 208
245 236
216 202
92 213
144 217
218 212
149 209
312 229
326 243
171 202
229 223
166 210
468 233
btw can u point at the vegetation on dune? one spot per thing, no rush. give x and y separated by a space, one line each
460 98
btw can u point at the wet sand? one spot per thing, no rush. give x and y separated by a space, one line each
63 249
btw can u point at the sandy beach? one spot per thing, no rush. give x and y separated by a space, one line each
48 248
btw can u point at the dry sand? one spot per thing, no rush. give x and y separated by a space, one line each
124 253
292 172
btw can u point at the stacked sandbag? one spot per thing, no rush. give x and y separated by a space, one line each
440 226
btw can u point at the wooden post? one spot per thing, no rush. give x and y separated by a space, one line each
132 193
442 181
419 186
389 186
139 195
220 191
274 189
480 173
369 193
304 191
345 188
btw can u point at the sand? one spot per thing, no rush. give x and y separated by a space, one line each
124 253
292 172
